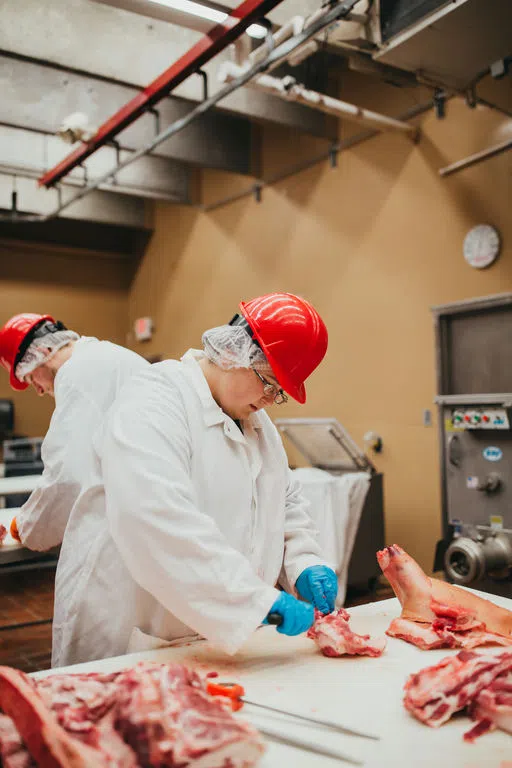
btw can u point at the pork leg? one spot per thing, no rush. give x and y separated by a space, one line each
425 600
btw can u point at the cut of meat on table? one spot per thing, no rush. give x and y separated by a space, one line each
13 753
492 708
150 715
85 706
166 715
3 534
48 744
478 682
443 635
440 615
334 637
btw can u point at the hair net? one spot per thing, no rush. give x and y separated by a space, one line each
42 349
231 346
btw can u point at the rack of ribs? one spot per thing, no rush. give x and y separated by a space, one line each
480 683
151 715
436 614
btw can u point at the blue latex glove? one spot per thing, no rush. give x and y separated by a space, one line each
297 617
318 585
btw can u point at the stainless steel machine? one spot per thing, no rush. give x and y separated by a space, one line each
326 444
474 376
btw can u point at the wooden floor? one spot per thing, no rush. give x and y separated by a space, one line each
27 601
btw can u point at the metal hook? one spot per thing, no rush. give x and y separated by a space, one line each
156 115
204 75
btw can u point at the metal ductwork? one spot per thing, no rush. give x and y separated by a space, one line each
449 44
445 43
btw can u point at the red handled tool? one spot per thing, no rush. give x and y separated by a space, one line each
236 693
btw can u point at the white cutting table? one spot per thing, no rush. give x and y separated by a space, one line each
15 555
363 692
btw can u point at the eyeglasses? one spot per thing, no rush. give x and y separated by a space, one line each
270 390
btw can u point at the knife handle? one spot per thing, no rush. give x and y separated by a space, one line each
274 618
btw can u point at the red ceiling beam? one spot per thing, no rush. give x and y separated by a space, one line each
219 37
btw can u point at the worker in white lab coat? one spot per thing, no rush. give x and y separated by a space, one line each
84 376
192 516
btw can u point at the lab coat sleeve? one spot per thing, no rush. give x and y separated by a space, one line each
43 518
301 546
172 549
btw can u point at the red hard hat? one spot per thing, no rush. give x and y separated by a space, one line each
12 336
292 336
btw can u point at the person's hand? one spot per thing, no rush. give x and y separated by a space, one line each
14 530
297 617
318 585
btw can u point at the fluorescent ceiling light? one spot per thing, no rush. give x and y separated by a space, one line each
205 12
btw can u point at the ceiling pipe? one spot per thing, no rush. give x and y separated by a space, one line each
288 89
292 28
478 157
328 16
219 37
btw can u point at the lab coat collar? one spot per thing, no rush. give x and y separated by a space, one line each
79 343
212 412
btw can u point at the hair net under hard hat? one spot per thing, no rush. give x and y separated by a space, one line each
230 346
41 350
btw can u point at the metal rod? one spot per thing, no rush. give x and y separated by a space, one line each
309 746
204 77
491 105
156 115
281 51
341 146
485 154
217 39
328 723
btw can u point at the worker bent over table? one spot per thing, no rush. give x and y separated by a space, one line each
84 376
192 515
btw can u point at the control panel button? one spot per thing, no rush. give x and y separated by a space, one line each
478 418
457 418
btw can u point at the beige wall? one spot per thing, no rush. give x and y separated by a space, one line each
88 293
373 244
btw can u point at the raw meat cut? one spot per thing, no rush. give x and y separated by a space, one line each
151 715
443 635
435 693
48 743
86 707
166 715
3 534
478 682
492 708
440 615
334 637
13 753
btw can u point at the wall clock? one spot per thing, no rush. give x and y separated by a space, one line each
481 246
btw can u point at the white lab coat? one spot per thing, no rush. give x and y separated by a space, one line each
185 527
85 387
